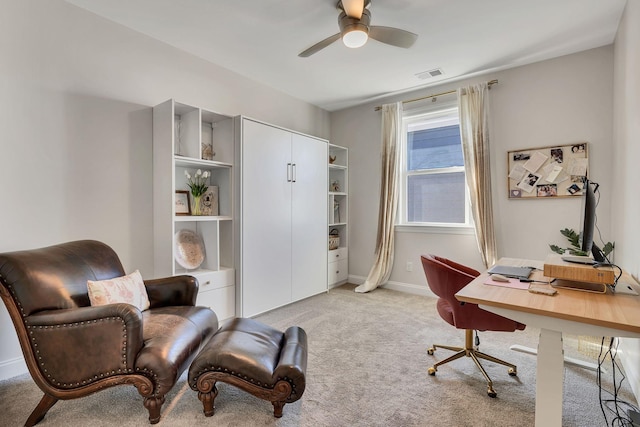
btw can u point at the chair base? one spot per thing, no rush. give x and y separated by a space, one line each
470 351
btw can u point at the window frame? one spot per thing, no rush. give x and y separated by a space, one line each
442 112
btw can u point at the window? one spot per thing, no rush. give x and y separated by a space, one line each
434 191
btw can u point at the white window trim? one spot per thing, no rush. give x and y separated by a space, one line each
435 228
402 225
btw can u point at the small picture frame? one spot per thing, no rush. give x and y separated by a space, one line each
182 202
209 201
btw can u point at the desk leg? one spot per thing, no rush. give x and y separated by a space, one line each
549 379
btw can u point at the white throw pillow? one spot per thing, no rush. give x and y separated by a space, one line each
129 289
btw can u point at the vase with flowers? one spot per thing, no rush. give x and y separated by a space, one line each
198 186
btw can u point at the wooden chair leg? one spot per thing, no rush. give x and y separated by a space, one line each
154 405
277 409
38 414
208 400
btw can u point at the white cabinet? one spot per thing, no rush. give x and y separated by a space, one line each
217 294
338 267
283 217
188 138
338 212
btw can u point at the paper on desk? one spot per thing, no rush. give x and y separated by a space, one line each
513 283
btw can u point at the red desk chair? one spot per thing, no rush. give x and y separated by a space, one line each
445 278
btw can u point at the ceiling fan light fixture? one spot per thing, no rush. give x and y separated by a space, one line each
354 31
355 38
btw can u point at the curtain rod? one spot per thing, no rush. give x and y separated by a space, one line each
489 83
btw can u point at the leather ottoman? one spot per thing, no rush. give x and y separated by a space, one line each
254 357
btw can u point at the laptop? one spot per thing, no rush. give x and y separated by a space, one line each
577 259
508 271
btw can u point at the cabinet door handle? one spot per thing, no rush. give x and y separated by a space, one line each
289 172
293 167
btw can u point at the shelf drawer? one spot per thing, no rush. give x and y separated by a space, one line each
222 301
338 271
338 254
214 279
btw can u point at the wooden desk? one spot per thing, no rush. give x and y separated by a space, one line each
570 311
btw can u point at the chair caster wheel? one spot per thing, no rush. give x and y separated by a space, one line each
491 392
513 372
430 351
431 371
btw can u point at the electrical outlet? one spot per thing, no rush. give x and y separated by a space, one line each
409 266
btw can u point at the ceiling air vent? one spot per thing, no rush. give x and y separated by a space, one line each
429 74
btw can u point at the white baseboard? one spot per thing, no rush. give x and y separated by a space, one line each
408 288
356 280
337 284
12 367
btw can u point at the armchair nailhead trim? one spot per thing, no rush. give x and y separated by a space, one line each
149 373
15 299
244 377
31 329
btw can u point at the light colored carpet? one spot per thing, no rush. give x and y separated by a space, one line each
367 367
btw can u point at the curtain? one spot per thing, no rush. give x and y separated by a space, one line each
473 107
391 135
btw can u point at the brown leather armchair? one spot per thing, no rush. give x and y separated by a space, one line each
73 349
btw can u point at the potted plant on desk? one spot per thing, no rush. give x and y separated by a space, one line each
574 241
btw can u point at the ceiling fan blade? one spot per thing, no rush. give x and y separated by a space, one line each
393 36
353 8
319 46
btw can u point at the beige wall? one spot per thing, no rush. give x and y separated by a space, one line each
76 129
590 96
625 206
555 102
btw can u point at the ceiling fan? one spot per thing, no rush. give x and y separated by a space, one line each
355 30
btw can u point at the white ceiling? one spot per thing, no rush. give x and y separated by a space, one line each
260 39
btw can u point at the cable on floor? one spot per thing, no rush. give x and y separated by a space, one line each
614 407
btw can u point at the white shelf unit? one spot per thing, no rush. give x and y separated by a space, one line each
179 134
338 213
